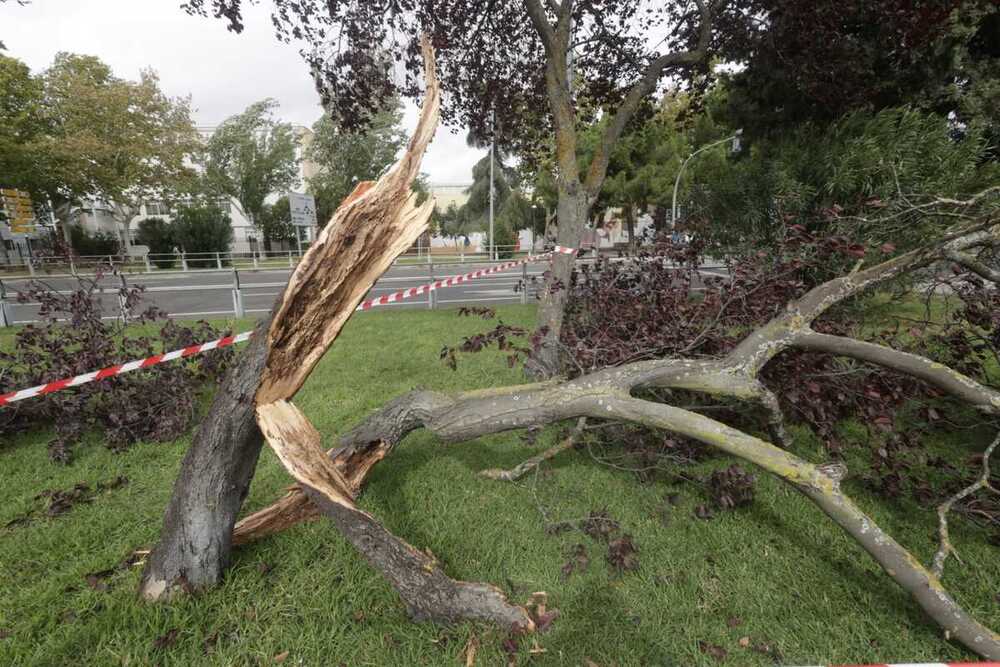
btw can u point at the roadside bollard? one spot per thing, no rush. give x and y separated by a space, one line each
123 299
149 269
31 267
184 262
255 260
218 261
431 297
237 295
290 264
6 309
524 283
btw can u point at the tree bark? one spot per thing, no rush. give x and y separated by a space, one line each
630 225
195 542
572 216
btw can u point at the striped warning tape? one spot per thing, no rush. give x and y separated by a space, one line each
120 369
455 280
93 376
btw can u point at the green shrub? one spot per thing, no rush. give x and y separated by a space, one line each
504 239
158 236
85 243
202 229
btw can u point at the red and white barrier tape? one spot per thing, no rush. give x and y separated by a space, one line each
120 369
93 376
386 299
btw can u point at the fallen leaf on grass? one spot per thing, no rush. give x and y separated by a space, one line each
744 642
208 646
96 580
713 650
767 649
734 621
281 657
4 633
702 512
544 621
578 560
167 640
599 525
622 554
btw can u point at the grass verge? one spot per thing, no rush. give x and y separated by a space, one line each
777 573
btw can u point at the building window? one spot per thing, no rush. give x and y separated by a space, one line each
157 208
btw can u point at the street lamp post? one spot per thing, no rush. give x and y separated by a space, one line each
735 138
493 139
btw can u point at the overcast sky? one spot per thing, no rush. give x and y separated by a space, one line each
221 71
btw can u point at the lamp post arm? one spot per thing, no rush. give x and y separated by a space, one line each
680 172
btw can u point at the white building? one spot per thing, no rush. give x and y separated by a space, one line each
98 217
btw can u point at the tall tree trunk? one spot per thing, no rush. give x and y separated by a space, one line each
573 212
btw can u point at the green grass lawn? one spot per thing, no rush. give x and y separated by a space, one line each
778 572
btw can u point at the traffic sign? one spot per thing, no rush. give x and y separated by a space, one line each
303 209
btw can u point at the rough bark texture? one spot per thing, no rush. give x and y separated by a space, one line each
576 194
364 237
214 478
427 592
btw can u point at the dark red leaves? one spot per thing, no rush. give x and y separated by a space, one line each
731 488
600 525
713 650
622 554
73 338
167 640
577 562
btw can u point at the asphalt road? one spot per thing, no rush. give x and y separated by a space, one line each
208 294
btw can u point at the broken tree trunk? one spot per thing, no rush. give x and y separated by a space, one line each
373 226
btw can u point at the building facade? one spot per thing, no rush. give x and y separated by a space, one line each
97 216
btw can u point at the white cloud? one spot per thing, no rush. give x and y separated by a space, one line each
221 71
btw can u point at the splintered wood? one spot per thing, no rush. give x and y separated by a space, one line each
369 230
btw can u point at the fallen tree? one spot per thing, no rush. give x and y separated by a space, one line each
368 230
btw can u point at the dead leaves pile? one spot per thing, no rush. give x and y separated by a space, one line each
622 553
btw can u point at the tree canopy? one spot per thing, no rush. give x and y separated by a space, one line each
78 131
251 156
346 157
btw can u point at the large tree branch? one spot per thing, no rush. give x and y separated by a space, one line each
973 264
640 90
467 416
961 386
542 26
